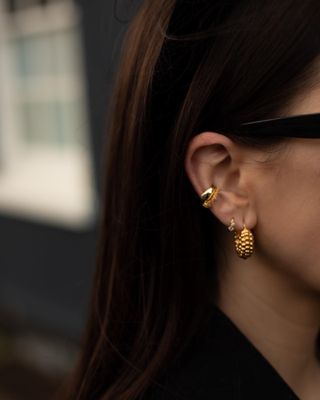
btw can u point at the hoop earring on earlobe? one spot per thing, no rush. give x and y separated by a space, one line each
209 196
244 241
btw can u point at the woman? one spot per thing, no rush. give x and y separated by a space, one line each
208 273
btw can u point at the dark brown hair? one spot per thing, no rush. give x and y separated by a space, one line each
185 66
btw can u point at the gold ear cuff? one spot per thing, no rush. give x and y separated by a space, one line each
209 196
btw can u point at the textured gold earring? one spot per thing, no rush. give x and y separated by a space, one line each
209 195
244 242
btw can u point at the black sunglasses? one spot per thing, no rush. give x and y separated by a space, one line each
299 126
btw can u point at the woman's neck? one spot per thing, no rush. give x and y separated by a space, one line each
281 319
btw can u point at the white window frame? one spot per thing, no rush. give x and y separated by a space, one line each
42 182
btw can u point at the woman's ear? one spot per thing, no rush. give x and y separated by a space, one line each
213 158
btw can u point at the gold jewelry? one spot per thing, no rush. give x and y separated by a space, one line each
244 242
232 225
209 195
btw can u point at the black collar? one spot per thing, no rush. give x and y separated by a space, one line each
222 364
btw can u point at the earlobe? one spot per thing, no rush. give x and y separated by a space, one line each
243 238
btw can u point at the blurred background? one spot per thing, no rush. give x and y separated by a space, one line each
57 63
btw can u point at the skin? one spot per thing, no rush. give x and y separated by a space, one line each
274 295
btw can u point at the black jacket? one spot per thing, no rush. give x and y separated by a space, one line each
224 364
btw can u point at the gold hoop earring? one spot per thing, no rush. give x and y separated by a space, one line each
244 242
209 196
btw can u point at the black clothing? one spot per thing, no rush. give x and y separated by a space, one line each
223 365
